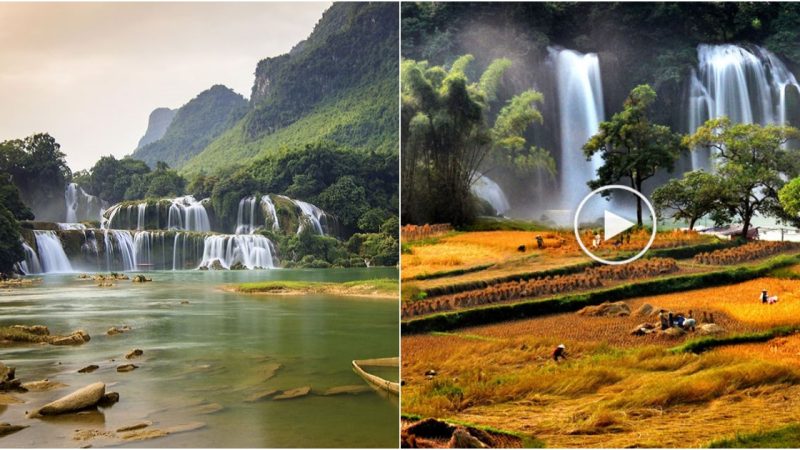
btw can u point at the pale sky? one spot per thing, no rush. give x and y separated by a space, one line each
90 73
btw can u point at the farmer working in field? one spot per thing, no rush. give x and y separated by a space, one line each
539 242
764 296
560 352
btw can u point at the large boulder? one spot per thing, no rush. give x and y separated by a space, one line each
83 398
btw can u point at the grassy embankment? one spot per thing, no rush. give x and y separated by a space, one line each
382 287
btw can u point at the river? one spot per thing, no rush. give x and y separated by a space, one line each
204 358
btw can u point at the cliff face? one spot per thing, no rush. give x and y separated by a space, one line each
157 125
339 85
194 125
353 43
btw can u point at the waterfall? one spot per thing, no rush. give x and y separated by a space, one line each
31 263
71 226
80 205
246 216
250 251
746 85
186 213
119 243
51 254
310 215
485 188
580 106
272 213
142 208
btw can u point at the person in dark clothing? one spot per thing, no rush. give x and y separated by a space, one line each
540 242
764 296
560 352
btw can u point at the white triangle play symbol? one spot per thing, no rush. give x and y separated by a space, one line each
614 225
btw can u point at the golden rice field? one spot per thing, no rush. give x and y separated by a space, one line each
471 249
784 349
615 389
600 396
739 301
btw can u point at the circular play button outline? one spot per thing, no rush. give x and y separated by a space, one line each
606 188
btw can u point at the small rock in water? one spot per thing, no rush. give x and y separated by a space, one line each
258 396
8 380
89 369
137 426
76 338
294 393
134 353
7 428
184 302
39 330
118 330
127 367
81 399
185 427
351 389
109 399
43 385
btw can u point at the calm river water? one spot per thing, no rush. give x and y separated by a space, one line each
203 359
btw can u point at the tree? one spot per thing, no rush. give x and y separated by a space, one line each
12 209
695 195
9 197
633 149
789 197
202 186
447 136
753 161
38 168
11 251
346 199
110 178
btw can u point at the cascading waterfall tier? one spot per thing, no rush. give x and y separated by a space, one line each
486 189
51 255
251 251
580 111
748 85
182 213
80 205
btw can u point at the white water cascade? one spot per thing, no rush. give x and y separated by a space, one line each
80 205
246 216
252 251
51 254
485 188
311 215
748 85
142 208
271 211
580 106
31 262
188 214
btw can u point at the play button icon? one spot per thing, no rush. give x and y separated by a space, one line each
613 224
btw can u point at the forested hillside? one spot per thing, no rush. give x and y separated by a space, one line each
339 85
195 125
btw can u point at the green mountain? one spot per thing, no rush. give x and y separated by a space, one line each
194 126
157 125
339 85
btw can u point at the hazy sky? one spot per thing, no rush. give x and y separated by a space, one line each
91 73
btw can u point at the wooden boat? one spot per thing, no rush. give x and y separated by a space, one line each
375 381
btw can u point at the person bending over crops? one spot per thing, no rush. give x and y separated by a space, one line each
560 352
764 296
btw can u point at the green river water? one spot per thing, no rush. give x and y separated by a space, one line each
210 353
